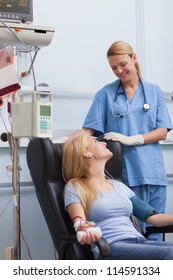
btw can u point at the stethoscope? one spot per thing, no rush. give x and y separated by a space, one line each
146 106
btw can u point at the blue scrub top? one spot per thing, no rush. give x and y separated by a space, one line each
141 164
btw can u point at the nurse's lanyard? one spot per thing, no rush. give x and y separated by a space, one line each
146 106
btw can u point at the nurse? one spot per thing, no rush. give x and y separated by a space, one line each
133 111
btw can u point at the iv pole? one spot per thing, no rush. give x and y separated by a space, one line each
15 146
16 199
16 186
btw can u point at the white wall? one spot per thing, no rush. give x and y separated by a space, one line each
84 31
75 67
159 42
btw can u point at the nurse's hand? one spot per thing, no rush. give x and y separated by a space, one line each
126 140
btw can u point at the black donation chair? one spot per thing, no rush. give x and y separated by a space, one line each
44 162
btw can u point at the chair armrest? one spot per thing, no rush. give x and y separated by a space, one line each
153 229
104 248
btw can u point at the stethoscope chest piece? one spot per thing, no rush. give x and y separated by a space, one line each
146 107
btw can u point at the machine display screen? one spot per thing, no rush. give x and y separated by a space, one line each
45 110
16 10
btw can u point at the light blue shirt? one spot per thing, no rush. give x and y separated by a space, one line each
111 211
141 164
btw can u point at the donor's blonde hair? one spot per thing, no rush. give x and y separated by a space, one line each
75 169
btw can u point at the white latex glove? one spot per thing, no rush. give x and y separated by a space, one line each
126 140
61 140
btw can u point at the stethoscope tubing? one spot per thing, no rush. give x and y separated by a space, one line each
146 106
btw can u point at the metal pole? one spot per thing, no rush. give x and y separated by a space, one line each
16 199
16 183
